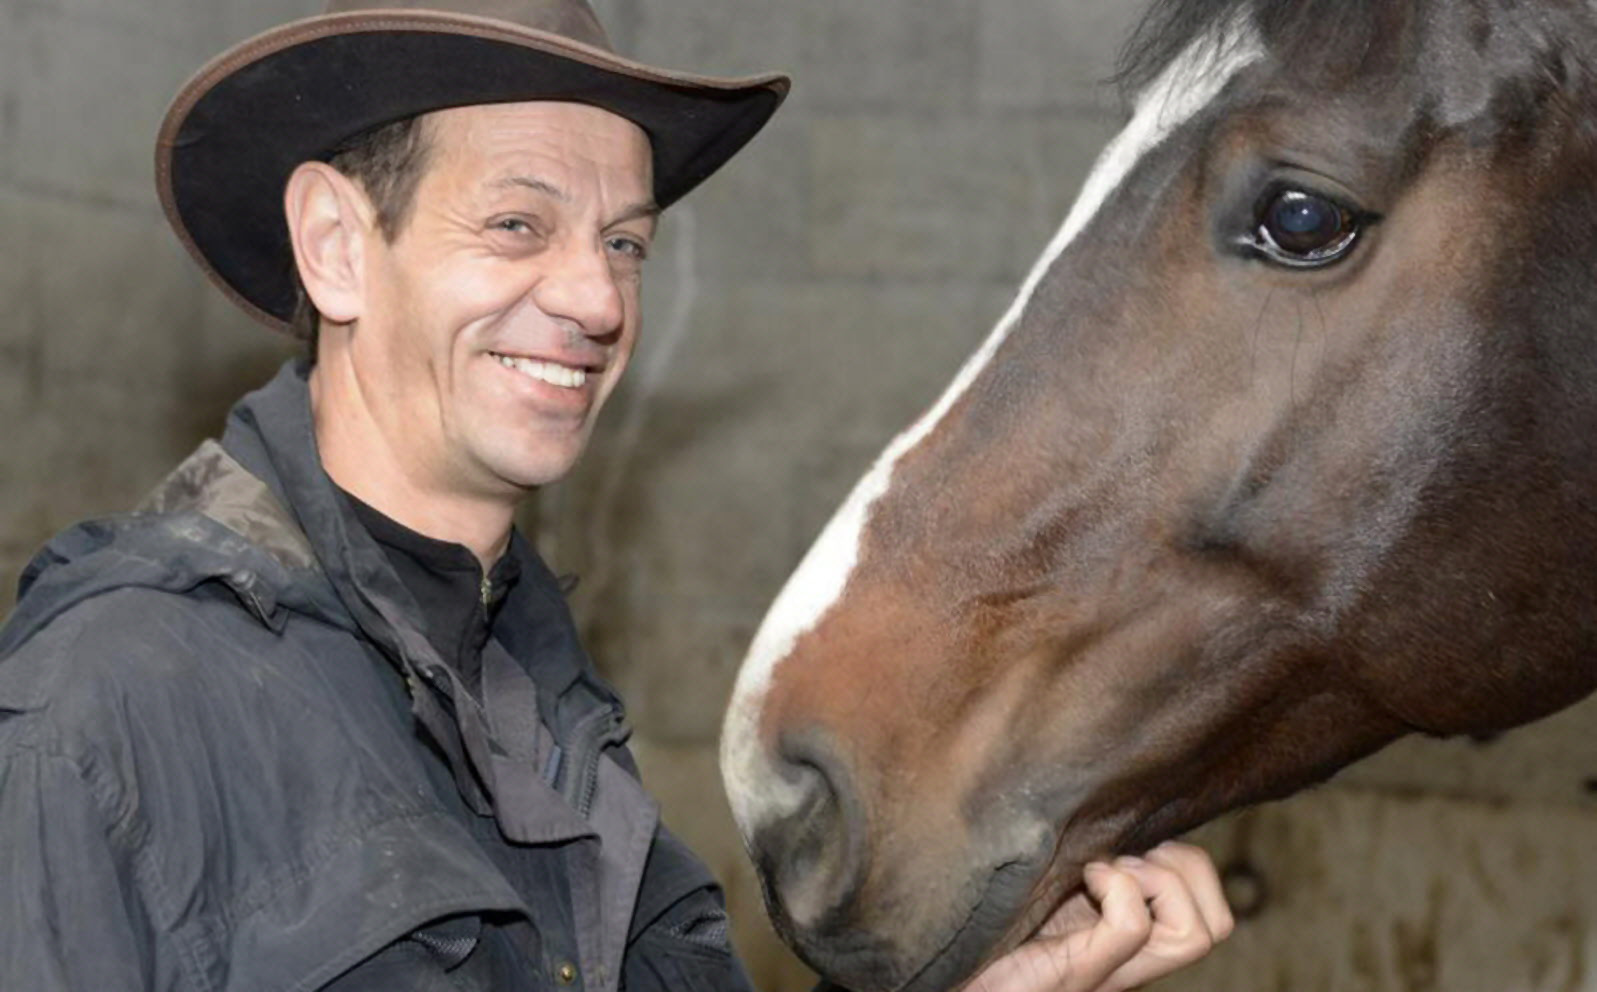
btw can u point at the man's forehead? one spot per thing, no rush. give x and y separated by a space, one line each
554 148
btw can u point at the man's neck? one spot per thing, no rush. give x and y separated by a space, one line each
360 457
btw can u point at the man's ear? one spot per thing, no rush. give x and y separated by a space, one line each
328 217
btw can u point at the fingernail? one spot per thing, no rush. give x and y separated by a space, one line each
1129 861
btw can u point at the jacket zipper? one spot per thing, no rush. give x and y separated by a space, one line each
592 735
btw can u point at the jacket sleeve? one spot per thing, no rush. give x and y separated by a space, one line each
70 914
680 939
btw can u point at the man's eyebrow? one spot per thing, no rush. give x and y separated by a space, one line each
534 183
647 209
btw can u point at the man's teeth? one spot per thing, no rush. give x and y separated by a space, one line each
550 372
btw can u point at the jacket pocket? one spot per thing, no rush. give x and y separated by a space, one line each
441 957
664 961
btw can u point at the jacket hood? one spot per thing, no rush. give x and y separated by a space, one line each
209 521
255 513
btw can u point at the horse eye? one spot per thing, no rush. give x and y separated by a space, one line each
1303 230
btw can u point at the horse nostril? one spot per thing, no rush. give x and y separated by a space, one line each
810 857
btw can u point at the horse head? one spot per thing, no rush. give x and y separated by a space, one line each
1286 448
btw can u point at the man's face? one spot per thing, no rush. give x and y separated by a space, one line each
499 320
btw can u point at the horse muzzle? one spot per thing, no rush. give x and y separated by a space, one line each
842 894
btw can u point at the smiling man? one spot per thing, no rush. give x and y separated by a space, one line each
461 365
316 716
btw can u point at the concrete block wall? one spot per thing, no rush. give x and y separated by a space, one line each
1434 865
116 356
801 308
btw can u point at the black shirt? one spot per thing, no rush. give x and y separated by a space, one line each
456 601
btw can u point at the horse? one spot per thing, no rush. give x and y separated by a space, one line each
1286 448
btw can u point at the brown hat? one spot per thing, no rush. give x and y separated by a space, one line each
237 130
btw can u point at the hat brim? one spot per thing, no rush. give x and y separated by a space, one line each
238 129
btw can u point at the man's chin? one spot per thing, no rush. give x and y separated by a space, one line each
538 464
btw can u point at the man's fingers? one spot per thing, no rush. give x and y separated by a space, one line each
1203 881
1176 918
1155 914
1126 922
1181 933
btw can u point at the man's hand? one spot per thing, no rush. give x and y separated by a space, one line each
1146 917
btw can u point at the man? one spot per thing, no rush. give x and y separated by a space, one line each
316 717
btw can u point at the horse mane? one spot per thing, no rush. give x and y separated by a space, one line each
1318 29
1331 42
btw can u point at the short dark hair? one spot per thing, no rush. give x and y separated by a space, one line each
388 161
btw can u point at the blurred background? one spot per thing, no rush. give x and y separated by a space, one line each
801 308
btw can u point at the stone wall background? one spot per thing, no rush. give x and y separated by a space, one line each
803 307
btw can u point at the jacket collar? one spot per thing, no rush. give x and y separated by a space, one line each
271 434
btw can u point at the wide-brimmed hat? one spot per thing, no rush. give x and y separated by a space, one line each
237 130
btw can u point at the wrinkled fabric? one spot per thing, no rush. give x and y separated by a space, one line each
229 761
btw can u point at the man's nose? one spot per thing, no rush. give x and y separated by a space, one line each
579 286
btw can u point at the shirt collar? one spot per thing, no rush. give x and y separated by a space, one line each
457 604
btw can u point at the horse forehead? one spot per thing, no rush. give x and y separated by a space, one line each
1188 85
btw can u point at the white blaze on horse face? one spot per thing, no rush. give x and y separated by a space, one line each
757 793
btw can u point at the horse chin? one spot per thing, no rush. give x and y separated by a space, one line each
1022 896
1011 905
1008 913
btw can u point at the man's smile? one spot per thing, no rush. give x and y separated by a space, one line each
547 371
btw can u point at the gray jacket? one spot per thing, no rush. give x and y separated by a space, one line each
230 761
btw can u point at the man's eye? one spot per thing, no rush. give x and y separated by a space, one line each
513 225
629 246
1300 229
